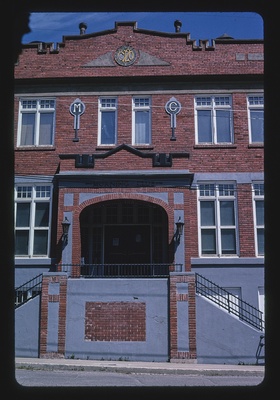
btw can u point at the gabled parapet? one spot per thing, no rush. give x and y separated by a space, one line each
127 51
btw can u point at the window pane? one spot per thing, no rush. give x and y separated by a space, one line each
208 241
142 127
207 213
46 128
258 189
260 212
207 189
43 191
21 243
42 214
223 126
228 241
28 129
23 215
108 127
24 192
260 235
257 125
227 213
204 126
40 242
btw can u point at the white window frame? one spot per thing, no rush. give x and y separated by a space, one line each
136 108
258 99
261 300
104 109
35 107
258 195
34 199
213 107
214 195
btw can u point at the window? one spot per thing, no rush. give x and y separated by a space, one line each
261 298
256 118
107 121
258 205
213 119
217 219
141 120
36 122
32 220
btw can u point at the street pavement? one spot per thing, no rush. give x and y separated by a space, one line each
185 368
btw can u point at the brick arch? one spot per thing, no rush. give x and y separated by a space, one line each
118 196
132 196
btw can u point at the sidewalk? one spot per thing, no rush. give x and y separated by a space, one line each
139 367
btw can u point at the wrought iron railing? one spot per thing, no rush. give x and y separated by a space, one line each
153 270
228 301
28 290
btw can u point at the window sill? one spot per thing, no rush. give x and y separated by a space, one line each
255 145
143 146
106 147
29 261
35 148
215 146
234 260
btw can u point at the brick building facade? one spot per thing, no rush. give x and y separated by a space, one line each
125 134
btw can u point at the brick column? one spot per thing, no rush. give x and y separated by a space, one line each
53 315
182 289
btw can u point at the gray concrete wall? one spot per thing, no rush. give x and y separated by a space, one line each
223 338
153 292
27 329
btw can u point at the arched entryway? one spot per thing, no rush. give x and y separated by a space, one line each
124 231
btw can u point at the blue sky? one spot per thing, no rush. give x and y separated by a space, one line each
51 27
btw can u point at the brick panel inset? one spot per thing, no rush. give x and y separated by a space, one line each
115 321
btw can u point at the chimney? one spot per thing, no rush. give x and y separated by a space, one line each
177 25
82 27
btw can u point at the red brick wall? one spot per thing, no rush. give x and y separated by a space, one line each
239 157
185 59
246 221
115 321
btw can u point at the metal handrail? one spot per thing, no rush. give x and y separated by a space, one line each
260 350
228 301
28 290
119 270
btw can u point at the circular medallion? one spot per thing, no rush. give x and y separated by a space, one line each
173 106
125 55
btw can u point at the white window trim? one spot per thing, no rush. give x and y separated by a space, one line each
37 111
134 109
213 110
254 198
102 109
33 200
253 107
261 300
216 198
